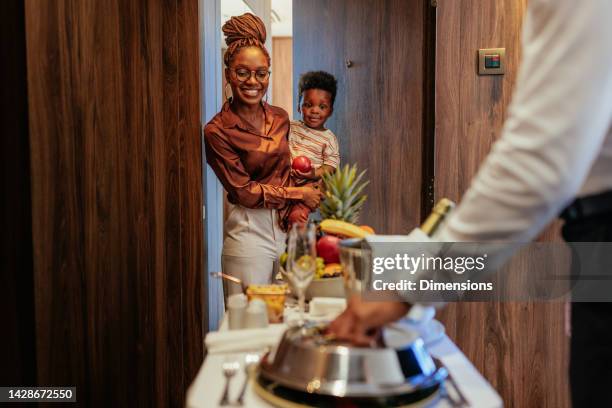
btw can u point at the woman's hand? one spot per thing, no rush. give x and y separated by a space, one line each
312 195
311 175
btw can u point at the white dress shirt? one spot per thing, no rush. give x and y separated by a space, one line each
556 143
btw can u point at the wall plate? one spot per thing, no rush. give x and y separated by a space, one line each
491 61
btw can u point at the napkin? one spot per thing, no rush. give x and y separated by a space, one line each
236 341
326 306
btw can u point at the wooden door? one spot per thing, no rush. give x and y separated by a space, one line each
376 50
116 187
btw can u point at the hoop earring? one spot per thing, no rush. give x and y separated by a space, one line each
227 95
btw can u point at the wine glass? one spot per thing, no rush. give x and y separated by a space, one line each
301 261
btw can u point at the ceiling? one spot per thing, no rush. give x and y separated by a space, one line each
281 14
282 9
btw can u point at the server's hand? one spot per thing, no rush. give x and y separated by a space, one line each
360 323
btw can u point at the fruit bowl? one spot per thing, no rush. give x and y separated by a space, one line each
319 287
326 287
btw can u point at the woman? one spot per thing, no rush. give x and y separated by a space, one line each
246 146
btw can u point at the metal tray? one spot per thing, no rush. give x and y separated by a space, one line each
284 397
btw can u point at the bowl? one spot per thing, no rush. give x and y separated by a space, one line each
326 287
274 297
308 360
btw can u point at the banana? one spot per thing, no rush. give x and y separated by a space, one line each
343 228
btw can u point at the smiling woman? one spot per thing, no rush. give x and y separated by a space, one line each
246 146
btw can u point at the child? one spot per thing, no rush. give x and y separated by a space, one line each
309 137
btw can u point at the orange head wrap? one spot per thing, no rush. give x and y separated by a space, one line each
246 30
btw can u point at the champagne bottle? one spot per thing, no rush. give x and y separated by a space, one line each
421 314
437 216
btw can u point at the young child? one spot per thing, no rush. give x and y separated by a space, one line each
309 137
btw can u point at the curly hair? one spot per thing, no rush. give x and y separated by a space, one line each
318 80
243 31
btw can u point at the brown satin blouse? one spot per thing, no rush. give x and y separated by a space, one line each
253 167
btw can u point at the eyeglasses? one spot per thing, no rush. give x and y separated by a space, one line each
243 74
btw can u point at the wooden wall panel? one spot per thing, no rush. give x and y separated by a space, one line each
117 198
282 73
520 347
318 49
378 113
384 91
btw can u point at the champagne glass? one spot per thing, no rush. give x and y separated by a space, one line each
301 261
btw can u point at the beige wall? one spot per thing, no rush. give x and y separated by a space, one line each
282 73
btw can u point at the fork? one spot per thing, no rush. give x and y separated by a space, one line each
230 368
250 361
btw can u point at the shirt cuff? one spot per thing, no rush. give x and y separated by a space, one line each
294 194
278 197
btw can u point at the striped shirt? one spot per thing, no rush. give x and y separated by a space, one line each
320 146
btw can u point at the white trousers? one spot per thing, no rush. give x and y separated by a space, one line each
252 245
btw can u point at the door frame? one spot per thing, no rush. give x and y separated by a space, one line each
210 89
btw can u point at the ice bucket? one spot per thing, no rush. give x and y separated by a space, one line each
356 259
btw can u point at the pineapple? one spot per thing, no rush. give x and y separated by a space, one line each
343 194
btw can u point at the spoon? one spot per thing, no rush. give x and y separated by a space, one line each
230 278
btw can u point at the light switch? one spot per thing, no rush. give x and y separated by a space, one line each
491 61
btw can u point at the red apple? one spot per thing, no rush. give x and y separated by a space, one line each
327 248
302 164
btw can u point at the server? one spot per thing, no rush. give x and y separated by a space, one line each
555 153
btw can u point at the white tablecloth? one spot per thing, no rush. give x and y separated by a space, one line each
206 389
